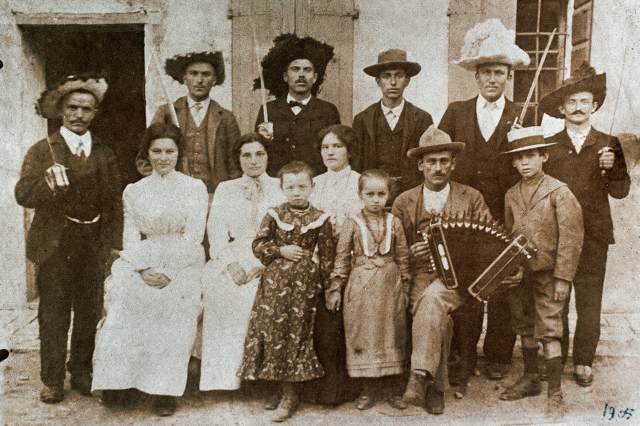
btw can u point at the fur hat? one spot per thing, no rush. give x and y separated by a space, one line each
287 48
584 79
176 66
393 58
526 138
490 42
434 140
49 104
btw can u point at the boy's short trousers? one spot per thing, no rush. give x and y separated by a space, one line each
534 313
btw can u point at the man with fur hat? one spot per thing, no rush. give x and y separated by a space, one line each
482 122
544 210
72 181
386 130
592 164
294 70
209 131
430 301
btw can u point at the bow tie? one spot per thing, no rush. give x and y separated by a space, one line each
295 104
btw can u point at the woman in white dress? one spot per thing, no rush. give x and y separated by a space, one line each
336 193
232 275
152 297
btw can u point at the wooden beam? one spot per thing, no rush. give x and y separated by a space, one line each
40 19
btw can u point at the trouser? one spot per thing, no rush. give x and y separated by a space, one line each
69 279
431 307
588 285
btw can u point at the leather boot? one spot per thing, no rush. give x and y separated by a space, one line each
416 388
527 385
288 404
51 394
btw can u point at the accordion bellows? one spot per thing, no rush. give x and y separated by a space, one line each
474 256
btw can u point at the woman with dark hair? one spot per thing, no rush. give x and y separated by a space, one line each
232 275
152 298
335 192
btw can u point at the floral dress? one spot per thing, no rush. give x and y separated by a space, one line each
279 344
373 262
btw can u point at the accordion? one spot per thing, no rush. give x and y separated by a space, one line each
474 256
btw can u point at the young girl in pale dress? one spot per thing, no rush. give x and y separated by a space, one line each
372 261
279 346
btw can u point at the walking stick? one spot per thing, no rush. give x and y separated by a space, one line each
263 93
172 109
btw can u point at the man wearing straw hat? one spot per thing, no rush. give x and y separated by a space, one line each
386 130
72 181
482 122
209 131
592 164
430 301
294 69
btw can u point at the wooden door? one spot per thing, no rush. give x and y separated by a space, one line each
330 21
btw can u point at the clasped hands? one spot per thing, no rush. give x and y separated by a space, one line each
240 276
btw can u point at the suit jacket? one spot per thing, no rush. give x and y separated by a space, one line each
222 134
462 201
32 192
364 157
585 179
460 122
295 137
552 221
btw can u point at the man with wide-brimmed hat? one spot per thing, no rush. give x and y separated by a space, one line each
71 179
430 301
386 130
294 69
593 165
482 122
209 131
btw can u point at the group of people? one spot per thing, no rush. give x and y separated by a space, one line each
294 254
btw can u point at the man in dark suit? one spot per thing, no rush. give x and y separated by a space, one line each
294 70
430 301
482 122
386 130
209 132
72 181
592 164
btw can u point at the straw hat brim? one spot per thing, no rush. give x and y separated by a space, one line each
472 64
176 66
528 147
48 106
411 68
596 84
421 150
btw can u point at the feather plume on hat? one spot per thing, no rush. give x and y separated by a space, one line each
48 105
490 42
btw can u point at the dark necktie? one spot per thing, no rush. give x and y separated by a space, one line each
295 104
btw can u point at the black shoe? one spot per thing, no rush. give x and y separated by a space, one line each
527 385
112 397
434 401
81 383
164 405
416 388
52 394
496 371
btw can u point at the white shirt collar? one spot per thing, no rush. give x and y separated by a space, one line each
167 177
73 140
345 172
292 99
577 134
396 110
481 102
205 103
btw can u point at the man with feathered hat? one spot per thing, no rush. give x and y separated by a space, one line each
294 69
430 301
209 131
386 130
482 122
71 179
592 164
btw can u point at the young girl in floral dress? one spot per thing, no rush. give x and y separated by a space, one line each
373 262
279 345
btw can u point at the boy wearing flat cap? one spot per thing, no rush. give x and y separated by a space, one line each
209 131
544 210
592 164
71 179
294 69
386 130
482 122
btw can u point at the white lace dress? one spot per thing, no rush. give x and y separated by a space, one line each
146 337
235 216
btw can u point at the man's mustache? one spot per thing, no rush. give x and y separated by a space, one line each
301 80
576 112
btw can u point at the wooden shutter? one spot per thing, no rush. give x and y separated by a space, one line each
581 33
